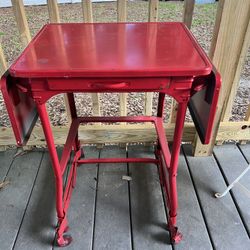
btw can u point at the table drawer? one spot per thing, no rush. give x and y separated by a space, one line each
109 85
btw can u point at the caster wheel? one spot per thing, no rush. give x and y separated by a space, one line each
176 238
64 240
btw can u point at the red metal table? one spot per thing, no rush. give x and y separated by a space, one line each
114 57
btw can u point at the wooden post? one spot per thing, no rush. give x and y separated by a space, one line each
226 55
3 64
21 20
87 11
53 11
230 100
188 12
152 17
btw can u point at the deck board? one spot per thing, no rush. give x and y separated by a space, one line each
246 151
38 228
6 159
232 165
112 221
190 217
15 196
81 211
147 207
121 214
222 218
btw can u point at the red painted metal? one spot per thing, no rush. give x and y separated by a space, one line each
112 50
21 108
118 160
124 57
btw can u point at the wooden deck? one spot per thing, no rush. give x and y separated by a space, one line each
110 213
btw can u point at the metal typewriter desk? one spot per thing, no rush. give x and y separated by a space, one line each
114 57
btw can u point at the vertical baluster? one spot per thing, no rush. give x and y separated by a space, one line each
54 17
121 17
152 17
21 21
87 11
187 19
53 11
88 18
188 12
3 64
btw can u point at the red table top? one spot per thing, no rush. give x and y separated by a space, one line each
112 50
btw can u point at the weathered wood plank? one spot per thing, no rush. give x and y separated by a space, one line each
87 11
94 134
147 208
152 17
233 19
247 117
6 159
148 103
3 64
232 164
153 10
21 20
216 29
236 80
234 131
123 104
38 227
122 17
53 11
88 18
238 131
82 207
112 220
54 17
222 218
96 104
246 151
188 12
15 196
190 220
121 10
173 111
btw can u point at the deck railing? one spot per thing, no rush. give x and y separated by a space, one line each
228 49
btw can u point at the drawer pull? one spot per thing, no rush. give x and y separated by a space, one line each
113 85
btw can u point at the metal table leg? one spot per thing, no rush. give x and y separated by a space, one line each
62 240
169 165
175 235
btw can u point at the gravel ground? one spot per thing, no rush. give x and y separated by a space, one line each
202 27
